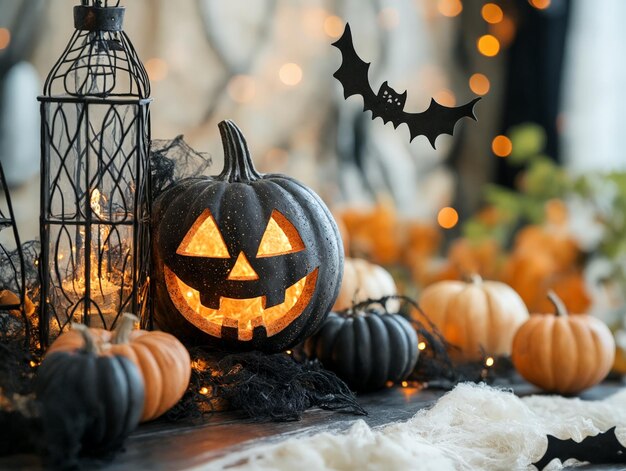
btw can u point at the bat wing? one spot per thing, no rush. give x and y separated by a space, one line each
436 120
598 449
353 71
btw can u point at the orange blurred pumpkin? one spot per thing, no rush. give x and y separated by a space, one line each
479 316
163 361
562 353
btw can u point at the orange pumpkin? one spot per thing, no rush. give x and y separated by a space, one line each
479 316
163 361
363 280
561 353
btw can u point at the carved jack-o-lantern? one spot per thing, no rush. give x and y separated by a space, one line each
242 259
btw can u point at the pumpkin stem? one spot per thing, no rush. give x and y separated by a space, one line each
124 328
238 166
475 279
559 306
90 345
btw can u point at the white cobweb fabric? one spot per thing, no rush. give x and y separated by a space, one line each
472 427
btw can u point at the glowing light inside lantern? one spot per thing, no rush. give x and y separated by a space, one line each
279 238
421 346
489 361
242 270
204 239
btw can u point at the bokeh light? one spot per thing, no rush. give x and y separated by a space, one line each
449 8
445 97
540 4
488 45
504 31
502 146
290 74
333 26
388 18
492 13
242 88
157 69
5 38
479 84
447 217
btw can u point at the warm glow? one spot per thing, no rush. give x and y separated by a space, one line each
204 239
479 84
445 97
157 69
290 74
388 18
242 88
242 270
404 384
447 217
504 31
242 314
501 146
488 45
333 26
5 38
492 13
279 238
540 4
449 8
489 361
421 346
204 390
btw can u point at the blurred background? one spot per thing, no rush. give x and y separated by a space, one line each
534 193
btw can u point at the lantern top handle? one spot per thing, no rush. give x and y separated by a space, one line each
98 17
99 61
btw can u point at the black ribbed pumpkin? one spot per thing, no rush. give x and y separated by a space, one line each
89 399
365 347
243 260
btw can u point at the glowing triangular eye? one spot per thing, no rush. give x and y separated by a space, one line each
204 239
279 238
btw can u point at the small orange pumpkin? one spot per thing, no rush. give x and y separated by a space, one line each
561 353
361 281
479 316
163 361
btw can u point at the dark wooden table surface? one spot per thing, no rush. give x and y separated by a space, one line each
163 446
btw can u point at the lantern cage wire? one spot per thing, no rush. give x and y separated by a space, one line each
95 177
13 271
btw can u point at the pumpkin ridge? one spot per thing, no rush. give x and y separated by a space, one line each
153 383
585 372
575 352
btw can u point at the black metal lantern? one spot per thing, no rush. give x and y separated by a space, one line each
95 189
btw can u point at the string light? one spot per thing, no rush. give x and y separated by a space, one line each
489 362
404 384
447 217
290 74
504 31
488 45
288 352
479 84
333 26
492 13
204 390
156 68
449 8
501 146
5 38
421 346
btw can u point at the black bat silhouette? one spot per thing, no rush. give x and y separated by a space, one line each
598 449
389 104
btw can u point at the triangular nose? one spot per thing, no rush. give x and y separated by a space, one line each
242 269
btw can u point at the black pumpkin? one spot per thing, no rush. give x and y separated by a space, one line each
90 400
366 348
243 260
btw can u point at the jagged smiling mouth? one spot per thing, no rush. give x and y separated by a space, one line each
242 314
